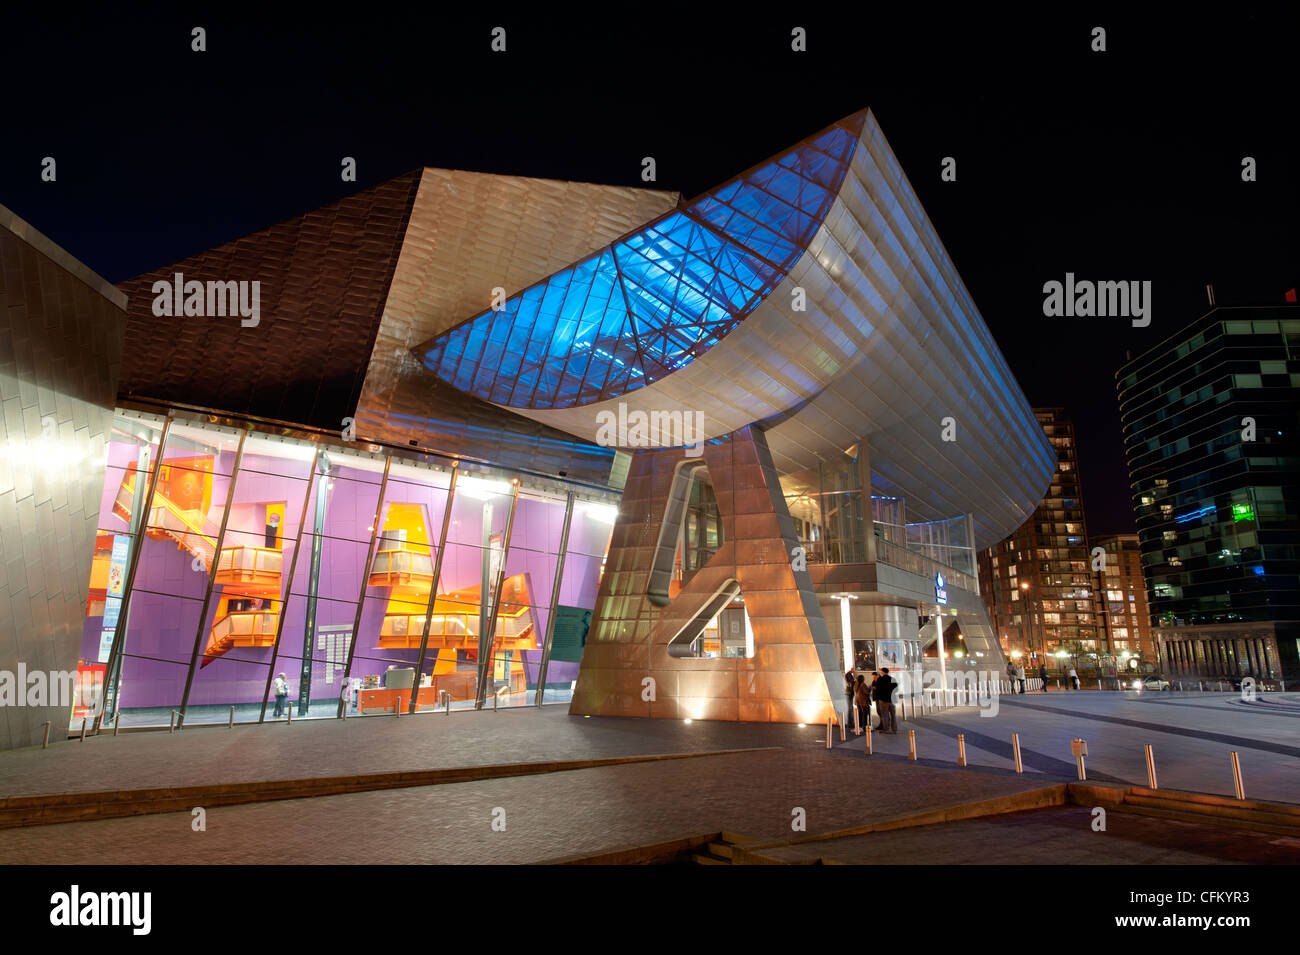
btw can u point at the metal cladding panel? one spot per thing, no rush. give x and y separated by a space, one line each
468 234
61 332
890 345
794 667
324 279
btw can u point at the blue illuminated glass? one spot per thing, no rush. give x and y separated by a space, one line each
649 304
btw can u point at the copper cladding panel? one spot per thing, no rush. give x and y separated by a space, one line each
794 667
324 279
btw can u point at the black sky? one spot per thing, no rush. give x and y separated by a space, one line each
1123 165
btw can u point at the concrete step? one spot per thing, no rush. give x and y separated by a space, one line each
1197 807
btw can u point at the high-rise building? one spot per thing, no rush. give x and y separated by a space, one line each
1036 583
1210 420
1123 615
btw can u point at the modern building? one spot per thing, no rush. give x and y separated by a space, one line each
1037 582
1210 423
464 440
1123 614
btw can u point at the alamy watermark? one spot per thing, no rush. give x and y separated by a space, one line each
1087 299
39 687
211 299
651 429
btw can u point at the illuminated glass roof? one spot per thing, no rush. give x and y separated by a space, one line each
652 302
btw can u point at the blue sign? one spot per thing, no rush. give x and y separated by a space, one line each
940 589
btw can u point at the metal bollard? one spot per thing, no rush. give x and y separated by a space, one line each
868 739
857 721
911 744
290 712
83 729
446 699
1236 776
1200 685
1015 749
844 728
1151 768
173 726
902 708
46 744
231 724
961 749
1080 748
117 721
828 732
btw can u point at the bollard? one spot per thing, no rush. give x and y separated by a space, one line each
1015 748
868 739
857 721
173 726
828 732
117 721
345 709
1236 776
911 744
961 749
83 729
290 712
397 705
496 697
46 744
844 727
1151 768
902 708
1201 685
1079 748
231 724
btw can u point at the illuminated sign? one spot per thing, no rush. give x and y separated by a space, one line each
940 589
1243 512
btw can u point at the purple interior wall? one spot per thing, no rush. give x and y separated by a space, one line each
168 592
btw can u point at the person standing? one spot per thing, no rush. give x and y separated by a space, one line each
1020 676
850 689
1011 676
281 693
862 699
1042 676
883 693
1074 679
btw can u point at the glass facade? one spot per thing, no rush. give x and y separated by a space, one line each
1210 435
650 303
263 574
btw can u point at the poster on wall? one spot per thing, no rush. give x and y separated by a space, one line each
117 566
890 653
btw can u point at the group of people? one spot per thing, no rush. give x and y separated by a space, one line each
882 691
1016 675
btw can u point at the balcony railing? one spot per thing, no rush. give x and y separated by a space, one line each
401 564
896 555
455 629
244 565
246 628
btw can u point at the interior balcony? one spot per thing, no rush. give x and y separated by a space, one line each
254 570
408 568
243 628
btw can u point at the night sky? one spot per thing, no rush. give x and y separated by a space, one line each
1123 165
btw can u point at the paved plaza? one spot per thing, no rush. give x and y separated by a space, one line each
588 811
